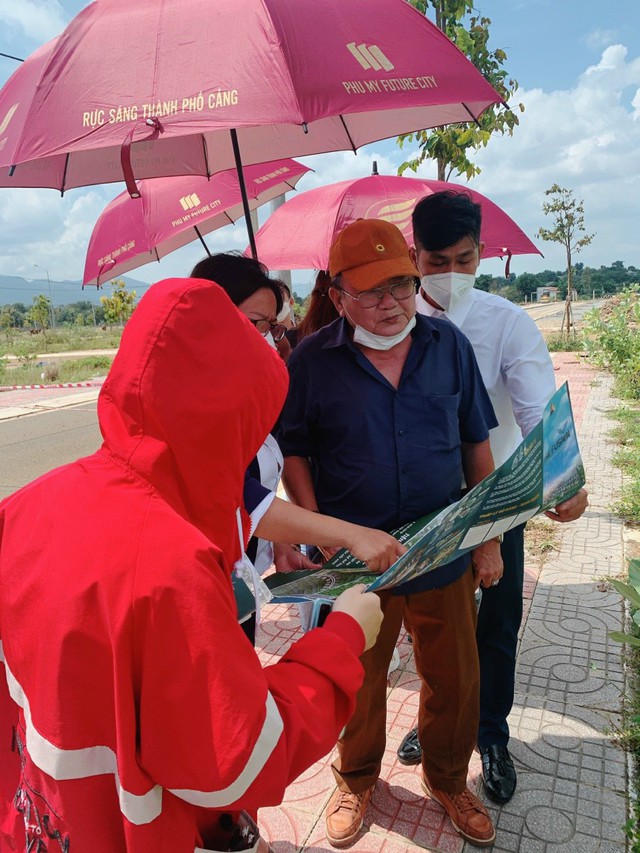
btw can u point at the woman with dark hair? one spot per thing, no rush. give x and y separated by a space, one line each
321 309
275 522
247 283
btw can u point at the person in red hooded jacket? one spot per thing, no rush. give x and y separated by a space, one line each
138 713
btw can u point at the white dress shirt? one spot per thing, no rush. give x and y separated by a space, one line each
513 359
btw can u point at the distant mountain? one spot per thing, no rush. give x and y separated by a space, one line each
15 289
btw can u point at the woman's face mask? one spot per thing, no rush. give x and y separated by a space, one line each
286 313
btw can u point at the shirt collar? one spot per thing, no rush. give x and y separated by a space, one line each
338 334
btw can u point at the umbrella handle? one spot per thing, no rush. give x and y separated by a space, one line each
508 264
125 153
243 192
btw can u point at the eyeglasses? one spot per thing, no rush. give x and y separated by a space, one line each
264 327
400 290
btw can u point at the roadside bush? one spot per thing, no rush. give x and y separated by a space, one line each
557 342
612 338
627 435
51 373
629 735
631 592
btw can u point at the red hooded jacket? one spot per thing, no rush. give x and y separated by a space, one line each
143 709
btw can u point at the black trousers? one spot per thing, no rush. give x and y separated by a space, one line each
499 621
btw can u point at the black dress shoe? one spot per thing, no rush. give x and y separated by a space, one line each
409 751
498 773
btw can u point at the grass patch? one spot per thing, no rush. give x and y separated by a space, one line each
626 434
53 371
557 342
541 536
62 339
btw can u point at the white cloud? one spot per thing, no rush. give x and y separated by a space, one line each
39 20
597 39
585 139
38 226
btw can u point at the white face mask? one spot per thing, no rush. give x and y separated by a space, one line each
447 288
285 312
269 339
381 342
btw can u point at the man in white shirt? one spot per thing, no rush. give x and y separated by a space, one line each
517 371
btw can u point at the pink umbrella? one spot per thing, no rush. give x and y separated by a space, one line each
298 235
183 87
172 212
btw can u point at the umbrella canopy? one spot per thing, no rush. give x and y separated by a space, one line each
135 89
172 212
298 235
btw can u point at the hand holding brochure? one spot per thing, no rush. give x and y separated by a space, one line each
545 470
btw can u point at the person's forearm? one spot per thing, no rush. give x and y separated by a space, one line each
477 462
286 522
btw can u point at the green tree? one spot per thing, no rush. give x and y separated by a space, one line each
40 313
526 284
450 146
483 282
19 310
568 216
6 319
120 305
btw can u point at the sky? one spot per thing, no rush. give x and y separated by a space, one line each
577 63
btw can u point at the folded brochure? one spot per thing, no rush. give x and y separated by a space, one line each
545 470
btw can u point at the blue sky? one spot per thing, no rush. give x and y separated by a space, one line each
578 66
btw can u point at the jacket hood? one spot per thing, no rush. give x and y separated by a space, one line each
189 399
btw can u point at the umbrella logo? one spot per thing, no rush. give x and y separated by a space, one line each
398 212
188 202
370 57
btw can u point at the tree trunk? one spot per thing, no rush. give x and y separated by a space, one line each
567 317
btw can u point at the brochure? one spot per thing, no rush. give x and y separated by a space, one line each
545 470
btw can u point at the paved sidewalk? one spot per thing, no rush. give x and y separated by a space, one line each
29 401
571 779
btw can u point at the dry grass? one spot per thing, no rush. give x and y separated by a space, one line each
541 536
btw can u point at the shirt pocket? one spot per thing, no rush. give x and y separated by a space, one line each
441 422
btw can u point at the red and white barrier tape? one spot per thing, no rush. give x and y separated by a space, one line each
57 385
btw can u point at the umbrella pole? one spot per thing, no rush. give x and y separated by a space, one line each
243 193
201 238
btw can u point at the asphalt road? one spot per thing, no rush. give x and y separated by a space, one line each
33 445
548 316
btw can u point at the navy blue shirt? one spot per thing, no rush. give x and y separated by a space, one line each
382 456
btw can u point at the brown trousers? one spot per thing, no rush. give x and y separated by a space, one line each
442 623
